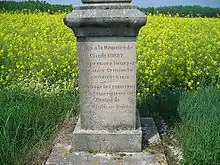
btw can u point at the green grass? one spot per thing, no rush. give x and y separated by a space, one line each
199 129
32 113
190 117
29 116
161 107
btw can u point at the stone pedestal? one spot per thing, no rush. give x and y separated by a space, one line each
106 32
63 154
109 129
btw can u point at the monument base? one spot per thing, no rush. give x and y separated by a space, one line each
64 154
107 141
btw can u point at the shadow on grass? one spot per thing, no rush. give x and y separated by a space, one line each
163 108
195 115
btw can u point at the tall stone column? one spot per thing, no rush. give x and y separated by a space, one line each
106 32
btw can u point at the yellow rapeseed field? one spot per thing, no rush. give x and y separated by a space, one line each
36 45
172 51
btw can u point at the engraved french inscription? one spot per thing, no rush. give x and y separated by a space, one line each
107 78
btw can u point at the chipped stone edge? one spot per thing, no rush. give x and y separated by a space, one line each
62 151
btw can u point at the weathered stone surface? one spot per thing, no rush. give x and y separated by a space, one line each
63 154
109 124
107 82
150 133
107 141
115 19
83 158
106 32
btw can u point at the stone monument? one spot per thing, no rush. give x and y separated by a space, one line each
106 32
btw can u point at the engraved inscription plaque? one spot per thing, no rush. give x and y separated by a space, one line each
107 81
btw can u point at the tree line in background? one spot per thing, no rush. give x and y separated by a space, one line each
33 6
43 6
182 11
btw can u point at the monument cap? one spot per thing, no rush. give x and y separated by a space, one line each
106 1
98 18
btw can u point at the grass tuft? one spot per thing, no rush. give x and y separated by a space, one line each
200 126
28 117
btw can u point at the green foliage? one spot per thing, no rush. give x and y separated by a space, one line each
172 52
176 52
43 6
161 107
33 7
183 11
36 45
30 115
38 54
200 126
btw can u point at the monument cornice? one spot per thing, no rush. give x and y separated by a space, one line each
105 1
115 19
